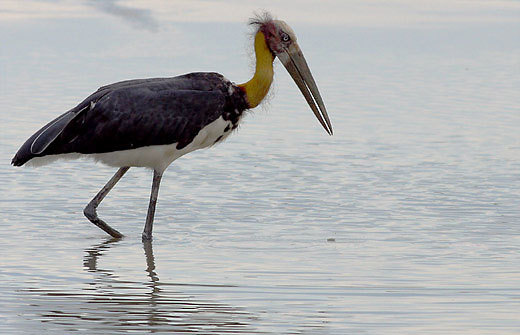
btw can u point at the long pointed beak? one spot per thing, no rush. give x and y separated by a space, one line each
295 63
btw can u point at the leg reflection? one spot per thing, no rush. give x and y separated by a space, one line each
92 254
150 261
122 300
155 316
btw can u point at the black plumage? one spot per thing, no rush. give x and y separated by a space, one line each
137 113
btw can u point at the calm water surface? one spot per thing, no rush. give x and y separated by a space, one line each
406 221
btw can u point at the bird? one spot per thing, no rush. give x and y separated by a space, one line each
152 122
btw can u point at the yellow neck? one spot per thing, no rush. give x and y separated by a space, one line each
257 88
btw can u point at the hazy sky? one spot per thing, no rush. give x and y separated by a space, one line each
149 13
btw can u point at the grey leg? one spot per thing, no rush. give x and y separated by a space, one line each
147 232
90 210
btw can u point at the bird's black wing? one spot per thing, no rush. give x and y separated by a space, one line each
134 114
133 118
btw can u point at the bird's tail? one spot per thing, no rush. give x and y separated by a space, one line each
36 144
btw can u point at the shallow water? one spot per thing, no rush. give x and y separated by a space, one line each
406 221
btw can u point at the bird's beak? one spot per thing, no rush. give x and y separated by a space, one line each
293 60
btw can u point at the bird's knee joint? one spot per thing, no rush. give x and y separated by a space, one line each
90 212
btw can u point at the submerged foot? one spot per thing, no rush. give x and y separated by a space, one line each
91 214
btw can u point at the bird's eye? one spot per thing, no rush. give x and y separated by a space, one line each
285 37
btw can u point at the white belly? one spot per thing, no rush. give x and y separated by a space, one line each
157 157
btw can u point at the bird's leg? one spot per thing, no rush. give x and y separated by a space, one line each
90 210
147 232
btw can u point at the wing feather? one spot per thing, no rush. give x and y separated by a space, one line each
132 114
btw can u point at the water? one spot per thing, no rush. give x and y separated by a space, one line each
404 222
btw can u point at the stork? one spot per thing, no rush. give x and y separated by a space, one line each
152 122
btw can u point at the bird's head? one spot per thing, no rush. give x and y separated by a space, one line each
281 41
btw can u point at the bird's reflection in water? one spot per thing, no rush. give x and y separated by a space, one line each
110 305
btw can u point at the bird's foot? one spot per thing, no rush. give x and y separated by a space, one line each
91 214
